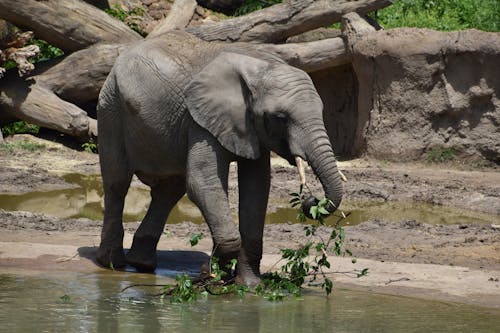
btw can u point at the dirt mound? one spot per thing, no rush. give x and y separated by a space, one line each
421 89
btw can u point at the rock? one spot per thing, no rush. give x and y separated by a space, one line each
428 89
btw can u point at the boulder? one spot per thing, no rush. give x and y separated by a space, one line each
420 89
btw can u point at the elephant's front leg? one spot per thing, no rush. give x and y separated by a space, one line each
207 176
254 183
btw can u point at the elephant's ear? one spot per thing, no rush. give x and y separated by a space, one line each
219 99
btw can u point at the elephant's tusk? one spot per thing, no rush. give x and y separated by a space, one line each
342 176
301 169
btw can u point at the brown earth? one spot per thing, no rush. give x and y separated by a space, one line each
449 262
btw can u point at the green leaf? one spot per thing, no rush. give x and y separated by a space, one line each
195 238
328 286
314 212
323 211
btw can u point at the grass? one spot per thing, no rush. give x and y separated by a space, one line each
445 15
441 155
21 145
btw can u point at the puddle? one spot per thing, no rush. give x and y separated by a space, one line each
86 200
92 302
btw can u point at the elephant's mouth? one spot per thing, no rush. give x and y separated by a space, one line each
311 200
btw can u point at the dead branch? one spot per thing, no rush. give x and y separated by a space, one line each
276 23
39 105
68 24
310 56
178 18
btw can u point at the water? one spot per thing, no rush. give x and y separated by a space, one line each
92 302
86 200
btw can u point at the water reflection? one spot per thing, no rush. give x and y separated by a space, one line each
86 200
32 303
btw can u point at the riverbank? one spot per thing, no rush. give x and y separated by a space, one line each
457 262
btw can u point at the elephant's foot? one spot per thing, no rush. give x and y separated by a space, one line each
111 257
142 254
248 279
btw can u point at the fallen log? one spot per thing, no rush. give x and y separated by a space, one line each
68 24
310 56
89 69
38 105
77 78
353 27
276 23
178 18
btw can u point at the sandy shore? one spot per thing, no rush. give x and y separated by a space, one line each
404 257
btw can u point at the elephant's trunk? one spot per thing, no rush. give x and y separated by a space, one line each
319 153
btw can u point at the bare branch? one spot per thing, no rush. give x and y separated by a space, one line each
178 18
68 24
278 22
310 56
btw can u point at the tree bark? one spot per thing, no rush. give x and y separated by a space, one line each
276 23
310 56
48 97
354 27
68 24
89 69
178 18
38 105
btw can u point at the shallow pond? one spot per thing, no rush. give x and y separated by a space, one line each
86 200
92 302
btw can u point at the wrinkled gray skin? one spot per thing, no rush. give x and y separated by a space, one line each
175 111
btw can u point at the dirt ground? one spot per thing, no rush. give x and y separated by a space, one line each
447 262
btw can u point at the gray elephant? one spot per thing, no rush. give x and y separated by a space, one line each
176 111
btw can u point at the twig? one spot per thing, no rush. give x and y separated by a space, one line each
397 280
141 285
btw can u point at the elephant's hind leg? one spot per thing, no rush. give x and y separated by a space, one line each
164 195
110 253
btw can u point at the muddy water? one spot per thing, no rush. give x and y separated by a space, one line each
92 302
86 200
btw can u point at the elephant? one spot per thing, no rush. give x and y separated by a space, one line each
175 111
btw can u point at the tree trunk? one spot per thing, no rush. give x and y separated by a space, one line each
310 56
353 28
49 97
178 18
89 69
68 24
276 23
39 105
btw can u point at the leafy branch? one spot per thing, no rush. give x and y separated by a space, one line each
307 265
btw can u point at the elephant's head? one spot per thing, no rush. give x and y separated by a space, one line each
249 104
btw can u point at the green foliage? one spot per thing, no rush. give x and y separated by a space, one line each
299 268
65 299
195 238
20 127
118 12
184 290
441 155
307 264
21 145
444 15
47 51
90 146
252 5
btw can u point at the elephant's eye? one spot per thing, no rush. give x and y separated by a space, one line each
275 124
